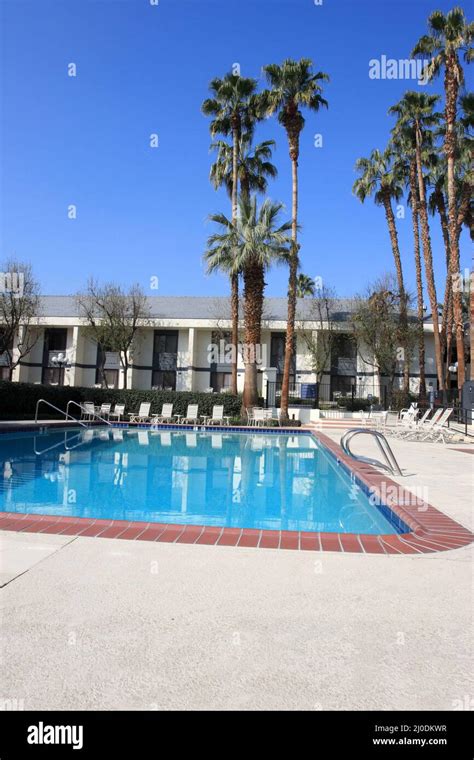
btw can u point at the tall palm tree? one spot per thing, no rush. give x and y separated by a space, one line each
250 246
293 86
403 145
415 112
378 178
436 179
233 108
305 286
449 36
254 165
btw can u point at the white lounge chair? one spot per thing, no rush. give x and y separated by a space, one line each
421 431
118 412
165 416
411 412
192 415
411 426
217 417
440 431
143 414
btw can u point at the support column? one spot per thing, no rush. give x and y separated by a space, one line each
192 341
71 353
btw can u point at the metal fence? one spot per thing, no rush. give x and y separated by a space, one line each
317 395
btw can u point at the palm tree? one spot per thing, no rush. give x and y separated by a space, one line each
305 286
379 179
250 246
403 145
449 35
253 169
234 109
436 180
415 113
293 86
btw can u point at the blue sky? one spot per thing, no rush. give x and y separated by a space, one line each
143 69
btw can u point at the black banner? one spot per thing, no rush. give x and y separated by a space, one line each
148 734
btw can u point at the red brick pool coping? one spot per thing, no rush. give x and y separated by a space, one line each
430 529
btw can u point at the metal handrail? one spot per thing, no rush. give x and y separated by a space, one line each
94 414
55 445
391 463
61 411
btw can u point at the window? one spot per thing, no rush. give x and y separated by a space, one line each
165 359
221 374
341 385
221 381
277 357
5 370
343 355
55 342
106 375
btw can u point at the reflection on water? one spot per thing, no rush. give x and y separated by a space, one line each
237 480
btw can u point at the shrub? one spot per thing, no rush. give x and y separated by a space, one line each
356 404
402 400
18 400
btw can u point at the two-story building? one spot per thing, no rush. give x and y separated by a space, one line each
174 350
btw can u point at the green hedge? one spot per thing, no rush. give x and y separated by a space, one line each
356 404
18 400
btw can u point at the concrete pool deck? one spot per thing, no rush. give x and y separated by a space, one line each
90 624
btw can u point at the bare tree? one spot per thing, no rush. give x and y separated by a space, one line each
377 331
320 340
19 310
113 319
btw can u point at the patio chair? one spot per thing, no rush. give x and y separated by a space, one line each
258 417
165 416
380 420
421 431
118 412
192 415
412 425
405 421
105 410
440 431
270 415
411 412
217 417
87 410
365 417
143 414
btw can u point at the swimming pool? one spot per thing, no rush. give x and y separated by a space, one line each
253 480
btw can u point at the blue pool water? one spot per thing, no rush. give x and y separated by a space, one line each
257 480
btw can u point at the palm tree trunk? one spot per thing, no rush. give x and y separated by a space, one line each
419 281
234 280
292 281
428 257
392 228
253 307
447 305
451 91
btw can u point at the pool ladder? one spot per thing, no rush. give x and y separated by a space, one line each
391 464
